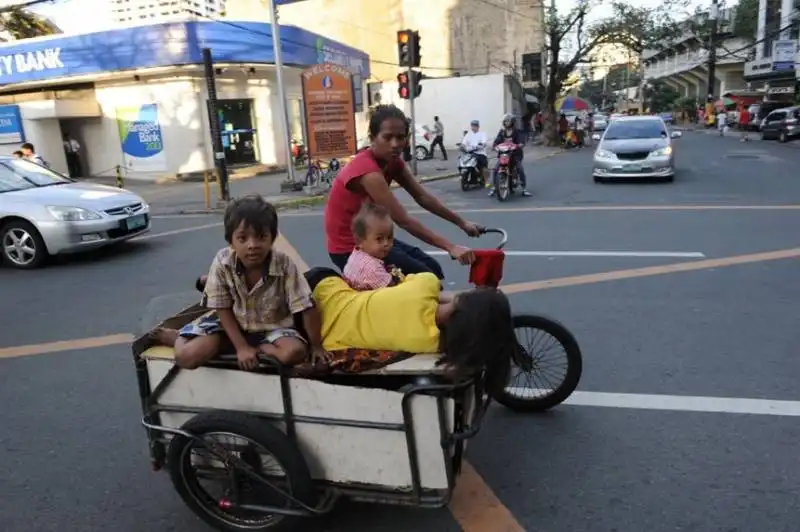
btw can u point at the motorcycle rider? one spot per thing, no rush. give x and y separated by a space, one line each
475 139
509 133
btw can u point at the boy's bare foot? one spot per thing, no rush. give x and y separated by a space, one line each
164 336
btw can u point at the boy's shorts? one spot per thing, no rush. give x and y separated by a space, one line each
209 324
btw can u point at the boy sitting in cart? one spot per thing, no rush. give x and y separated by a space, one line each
253 292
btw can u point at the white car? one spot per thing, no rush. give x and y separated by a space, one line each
43 213
423 138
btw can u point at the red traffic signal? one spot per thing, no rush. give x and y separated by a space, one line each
406 81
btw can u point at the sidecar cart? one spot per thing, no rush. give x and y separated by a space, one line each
261 450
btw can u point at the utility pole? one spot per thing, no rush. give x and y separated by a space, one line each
278 53
712 52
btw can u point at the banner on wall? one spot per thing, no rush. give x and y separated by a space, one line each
141 139
11 131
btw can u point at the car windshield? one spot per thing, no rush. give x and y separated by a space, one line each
19 174
635 129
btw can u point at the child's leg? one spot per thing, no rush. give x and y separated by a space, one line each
164 336
198 341
191 353
287 345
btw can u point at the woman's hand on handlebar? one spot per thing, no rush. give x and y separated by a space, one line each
472 229
462 254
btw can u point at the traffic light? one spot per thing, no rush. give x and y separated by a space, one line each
408 51
403 88
407 80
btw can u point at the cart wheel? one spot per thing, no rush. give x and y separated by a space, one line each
220 492
555 365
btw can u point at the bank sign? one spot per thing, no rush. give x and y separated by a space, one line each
169 44
141 139
11 131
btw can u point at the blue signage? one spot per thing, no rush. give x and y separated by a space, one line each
168 44
140 137
11 131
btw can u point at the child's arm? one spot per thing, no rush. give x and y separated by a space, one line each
312 322
217 296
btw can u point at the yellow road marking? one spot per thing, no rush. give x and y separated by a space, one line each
476 508
65 345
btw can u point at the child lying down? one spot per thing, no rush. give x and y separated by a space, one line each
473 329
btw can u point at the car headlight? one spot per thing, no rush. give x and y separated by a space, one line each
72 214
604 154
662 152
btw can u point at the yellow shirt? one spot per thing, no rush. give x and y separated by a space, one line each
397 318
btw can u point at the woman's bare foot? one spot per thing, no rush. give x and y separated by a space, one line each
165 336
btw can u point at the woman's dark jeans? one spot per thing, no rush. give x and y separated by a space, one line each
408 259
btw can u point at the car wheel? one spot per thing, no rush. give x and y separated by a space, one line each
421 152
22 245
783 137
597 179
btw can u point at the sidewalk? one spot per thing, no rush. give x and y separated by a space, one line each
189 197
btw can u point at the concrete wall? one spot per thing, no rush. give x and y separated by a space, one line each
457 101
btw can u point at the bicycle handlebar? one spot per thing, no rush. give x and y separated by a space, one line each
497 230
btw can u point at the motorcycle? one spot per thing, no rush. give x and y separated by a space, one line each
507 172
471 176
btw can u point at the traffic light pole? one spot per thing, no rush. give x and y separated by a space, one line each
411 94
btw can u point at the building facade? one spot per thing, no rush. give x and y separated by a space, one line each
129 12
772 71
102 87
458 37
684 65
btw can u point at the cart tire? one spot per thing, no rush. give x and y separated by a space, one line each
258 431
571 377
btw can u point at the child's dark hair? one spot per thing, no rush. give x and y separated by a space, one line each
27 146
361 219
255 212
383 113
480 336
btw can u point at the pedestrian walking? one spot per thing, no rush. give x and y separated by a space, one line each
744 123
438 137
722 123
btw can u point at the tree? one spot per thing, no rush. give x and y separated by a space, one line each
23 24
745 21
637 28
659 96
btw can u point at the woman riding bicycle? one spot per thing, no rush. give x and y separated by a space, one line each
367 177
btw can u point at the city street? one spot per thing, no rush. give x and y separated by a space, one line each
683 297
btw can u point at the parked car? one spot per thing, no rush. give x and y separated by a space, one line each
43 213
782 124
423 138
759 112
635 147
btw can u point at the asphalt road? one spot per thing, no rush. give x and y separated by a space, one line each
73 456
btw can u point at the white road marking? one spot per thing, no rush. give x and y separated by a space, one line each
680 403
642 254
151 236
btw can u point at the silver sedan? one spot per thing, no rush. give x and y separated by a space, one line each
635 147
43 213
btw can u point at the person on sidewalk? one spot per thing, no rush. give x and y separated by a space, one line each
438 137
29 152
72 150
